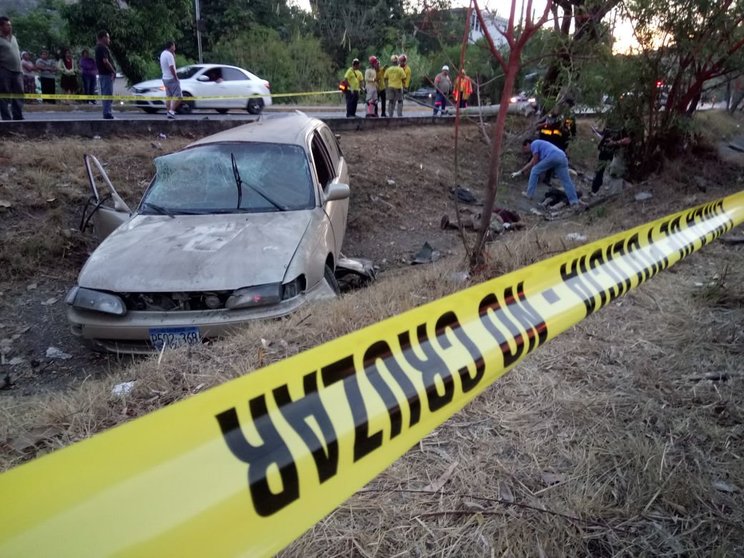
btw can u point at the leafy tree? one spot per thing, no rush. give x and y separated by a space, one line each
295 65
138 28
41 28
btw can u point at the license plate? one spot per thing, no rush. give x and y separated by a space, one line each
171 337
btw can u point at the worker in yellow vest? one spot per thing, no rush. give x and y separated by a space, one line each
395 77
403 61
355 79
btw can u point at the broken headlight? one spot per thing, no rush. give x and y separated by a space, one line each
88 299
251 297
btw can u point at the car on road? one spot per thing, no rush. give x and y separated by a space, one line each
425 94
242 225
223 88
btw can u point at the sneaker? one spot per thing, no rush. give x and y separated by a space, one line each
108 117
526 195
170 115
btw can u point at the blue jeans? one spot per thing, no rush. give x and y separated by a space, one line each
440 103
559 164
89 85
106 82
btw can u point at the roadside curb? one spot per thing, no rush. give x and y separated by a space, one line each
203 127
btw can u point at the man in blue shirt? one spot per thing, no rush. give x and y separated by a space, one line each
546 156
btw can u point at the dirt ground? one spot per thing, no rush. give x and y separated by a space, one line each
620 438
401 180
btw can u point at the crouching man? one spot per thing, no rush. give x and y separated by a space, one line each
545 157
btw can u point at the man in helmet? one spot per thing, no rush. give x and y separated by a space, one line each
370 81
403 61
395 77
355 79
443 85
381 86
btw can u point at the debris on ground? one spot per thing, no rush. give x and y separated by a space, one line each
576 237
464 195
427 254
643 196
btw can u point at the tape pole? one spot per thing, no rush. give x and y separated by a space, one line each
248 466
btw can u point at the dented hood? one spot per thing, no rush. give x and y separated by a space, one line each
157 253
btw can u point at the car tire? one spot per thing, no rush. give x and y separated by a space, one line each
222 111
186 107
150 110
330 278
255 106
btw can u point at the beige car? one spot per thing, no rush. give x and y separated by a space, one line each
242 225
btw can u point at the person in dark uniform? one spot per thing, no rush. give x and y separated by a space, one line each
611 141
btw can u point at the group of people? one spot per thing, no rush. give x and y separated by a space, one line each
383 85
18 73
460 89
386 85
549 152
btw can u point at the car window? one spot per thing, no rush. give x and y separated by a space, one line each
332 145
326 173
231 74
201 179
187 72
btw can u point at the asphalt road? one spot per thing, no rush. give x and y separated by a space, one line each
45 113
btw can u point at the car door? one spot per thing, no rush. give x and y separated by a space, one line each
212 84
238 86
329 169
104 211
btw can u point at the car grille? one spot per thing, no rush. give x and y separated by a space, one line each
175 302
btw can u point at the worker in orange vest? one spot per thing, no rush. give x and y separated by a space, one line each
463 89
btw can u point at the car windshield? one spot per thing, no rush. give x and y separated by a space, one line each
203 179
187 72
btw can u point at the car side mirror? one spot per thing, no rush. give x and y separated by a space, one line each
202 78
337 191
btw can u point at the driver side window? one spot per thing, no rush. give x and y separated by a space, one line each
322 162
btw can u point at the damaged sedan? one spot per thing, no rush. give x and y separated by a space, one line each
242 225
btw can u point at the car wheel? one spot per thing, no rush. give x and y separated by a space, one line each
330 278
186 107
255 106
150 110
222 111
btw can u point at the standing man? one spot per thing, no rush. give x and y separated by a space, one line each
443 85
370 79
11 80
47 72
381 88
403 60
355 79
106 72
395 75
546 156
463 89
170 79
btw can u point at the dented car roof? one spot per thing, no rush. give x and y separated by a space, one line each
289 129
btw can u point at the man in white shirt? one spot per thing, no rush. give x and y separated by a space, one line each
170 79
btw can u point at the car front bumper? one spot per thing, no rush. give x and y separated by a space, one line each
130 334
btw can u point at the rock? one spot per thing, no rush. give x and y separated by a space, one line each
576 237
643 196
122 389
55 353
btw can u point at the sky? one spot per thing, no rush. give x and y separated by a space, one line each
623 30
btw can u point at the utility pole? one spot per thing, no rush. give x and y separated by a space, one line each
198 30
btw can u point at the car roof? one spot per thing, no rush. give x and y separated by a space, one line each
288 128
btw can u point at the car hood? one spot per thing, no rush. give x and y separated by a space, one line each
149 84
189 253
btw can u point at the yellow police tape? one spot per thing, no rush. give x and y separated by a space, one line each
62 97
248 466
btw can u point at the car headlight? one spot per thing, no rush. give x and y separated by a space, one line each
252 297
293 288
88 299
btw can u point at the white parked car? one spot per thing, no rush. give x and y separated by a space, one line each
240 88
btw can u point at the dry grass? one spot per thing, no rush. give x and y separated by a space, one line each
622 437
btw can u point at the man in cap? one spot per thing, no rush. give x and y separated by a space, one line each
395 77
370 81
403 61
443 85
355 79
